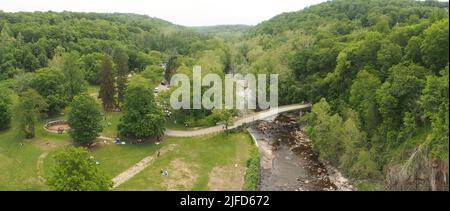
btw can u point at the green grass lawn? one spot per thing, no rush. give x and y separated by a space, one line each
114 159
24 164
110 122
192 162
24 167
21 167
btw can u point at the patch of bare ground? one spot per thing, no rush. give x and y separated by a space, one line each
231 177
182 176
227 178
49 145
56 127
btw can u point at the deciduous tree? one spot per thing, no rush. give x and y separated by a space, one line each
76 170
50 84
70 66
435 45
142 117
5 109
28 109
84 120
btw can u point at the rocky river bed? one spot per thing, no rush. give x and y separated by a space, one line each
288 162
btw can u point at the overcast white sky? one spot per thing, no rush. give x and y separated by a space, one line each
183 12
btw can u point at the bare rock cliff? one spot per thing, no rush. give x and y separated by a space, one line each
419 172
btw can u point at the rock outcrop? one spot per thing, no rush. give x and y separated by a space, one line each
419 173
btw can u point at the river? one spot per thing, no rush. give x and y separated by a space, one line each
288 162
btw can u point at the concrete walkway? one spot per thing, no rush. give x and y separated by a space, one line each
137 168
144 163
239 122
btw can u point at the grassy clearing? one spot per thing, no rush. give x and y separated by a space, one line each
115 159
19 168
110 120
109 123
191 162
24 164
24 167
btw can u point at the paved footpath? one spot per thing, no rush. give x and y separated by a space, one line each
144 163
239 122
141 165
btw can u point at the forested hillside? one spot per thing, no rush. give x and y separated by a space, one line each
29 40
377 75
226 32
32 42
376 72
95 74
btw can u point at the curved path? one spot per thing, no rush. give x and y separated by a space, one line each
144 163
239 122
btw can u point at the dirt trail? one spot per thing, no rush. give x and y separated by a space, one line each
40 166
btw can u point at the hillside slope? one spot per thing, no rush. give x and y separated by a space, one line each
377 73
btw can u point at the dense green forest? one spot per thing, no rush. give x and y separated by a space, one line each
51 44
29 40
376 71
65 65
225 32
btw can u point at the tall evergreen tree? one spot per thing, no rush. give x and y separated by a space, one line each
172 65
5 34
121 60
107 90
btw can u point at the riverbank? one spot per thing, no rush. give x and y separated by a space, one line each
288 162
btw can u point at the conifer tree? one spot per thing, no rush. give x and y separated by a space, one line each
107 91
5 34
121 60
